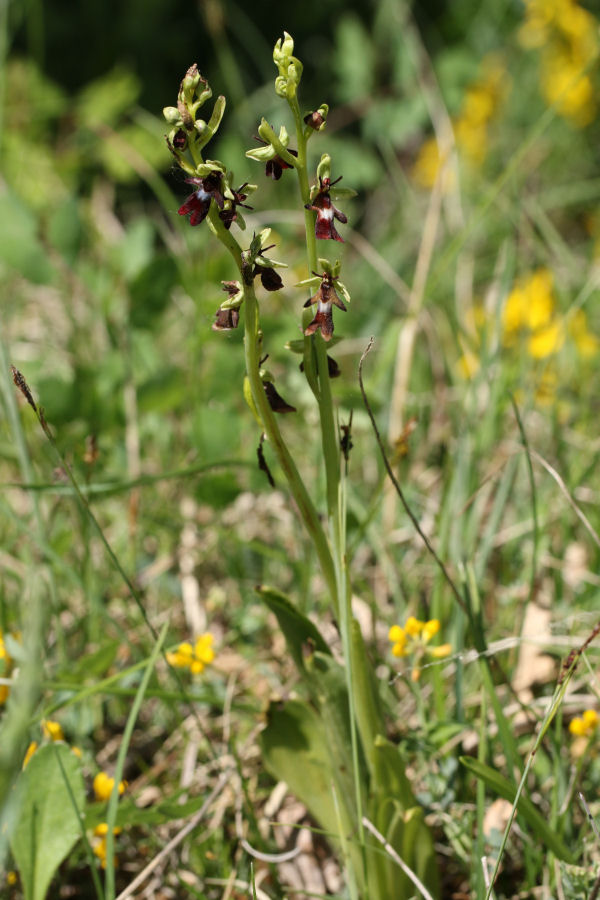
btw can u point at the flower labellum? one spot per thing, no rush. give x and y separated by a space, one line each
325 298
270 279
274 167
326 212
226 320
198 203
276 401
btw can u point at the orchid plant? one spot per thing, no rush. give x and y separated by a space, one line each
330 747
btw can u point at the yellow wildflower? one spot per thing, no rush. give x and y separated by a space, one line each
585 725
29 752
546 341
566 87
52 730
530 303
193 658
398 637
101 830
103 786
413 639
11 877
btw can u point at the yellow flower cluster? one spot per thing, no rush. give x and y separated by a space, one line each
103 786
531 308
413 640
193 658
480 104
6 667
585 725
568 36
99 843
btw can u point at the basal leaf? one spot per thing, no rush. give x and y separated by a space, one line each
51 797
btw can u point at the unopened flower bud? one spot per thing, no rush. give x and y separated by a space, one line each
316 119
172 115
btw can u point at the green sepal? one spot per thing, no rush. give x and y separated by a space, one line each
324 167
213 123
342 193
297 346
282 51
210 165
314 281
267 263
261 154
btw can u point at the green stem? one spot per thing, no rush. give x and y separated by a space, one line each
329 435
304 503
306 508
336 494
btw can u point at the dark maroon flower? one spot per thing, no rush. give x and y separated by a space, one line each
180 139
270 279
326 212
229 215
274 167
198 203
325 298
314 119
276 401
226 320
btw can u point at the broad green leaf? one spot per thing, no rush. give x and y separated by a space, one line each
508 789
300 633
47 823
295 750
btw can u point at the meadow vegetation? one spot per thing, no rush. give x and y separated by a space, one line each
342 643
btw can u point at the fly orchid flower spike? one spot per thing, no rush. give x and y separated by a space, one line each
255 263
186 129
289 66
274 152
326 298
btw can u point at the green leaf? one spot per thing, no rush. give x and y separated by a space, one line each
47 823
296 748
297 629
525 808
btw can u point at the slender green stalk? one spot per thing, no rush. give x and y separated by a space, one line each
111 814
305 505
329 436
335 484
